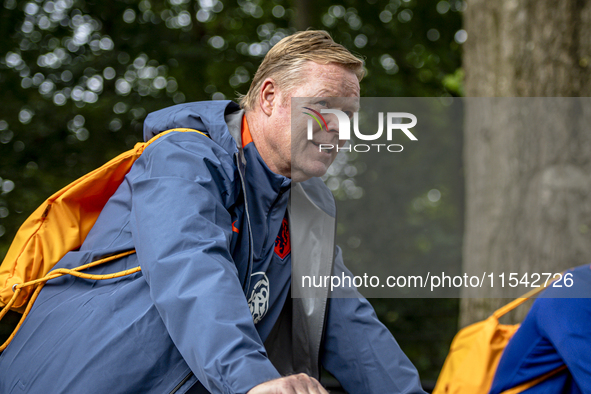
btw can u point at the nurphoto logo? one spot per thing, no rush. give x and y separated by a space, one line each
393 123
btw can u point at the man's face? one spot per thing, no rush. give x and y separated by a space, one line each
325 86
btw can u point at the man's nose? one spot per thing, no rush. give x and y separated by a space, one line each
332 122
338 120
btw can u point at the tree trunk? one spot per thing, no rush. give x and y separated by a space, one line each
302 20
527 162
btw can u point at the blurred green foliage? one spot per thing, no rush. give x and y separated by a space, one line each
77 78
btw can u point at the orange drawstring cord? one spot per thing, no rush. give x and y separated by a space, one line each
56 274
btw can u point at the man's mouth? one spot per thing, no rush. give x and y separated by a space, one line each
324 147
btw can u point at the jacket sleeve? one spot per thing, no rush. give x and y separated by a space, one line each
554 333
359 350
565 323
181 228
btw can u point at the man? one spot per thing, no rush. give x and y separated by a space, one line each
207 215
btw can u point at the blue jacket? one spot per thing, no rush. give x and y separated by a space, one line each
556 332
215 279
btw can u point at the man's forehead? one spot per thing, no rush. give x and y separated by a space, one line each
332 80
350 103
341 95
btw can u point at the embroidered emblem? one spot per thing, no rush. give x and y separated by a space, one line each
282 244
259 298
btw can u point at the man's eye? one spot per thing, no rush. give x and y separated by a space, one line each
323 103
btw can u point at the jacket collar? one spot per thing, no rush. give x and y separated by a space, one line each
212 117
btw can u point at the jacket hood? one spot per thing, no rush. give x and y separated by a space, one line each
205 116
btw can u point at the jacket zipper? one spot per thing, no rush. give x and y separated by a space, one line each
178 386
328 298
246 287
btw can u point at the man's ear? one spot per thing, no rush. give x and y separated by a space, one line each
268 96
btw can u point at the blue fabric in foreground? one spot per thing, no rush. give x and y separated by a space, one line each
556 332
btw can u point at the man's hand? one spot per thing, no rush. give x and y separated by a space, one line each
294 384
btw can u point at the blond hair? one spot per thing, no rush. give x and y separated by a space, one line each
285 60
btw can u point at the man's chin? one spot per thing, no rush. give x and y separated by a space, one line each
310 171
